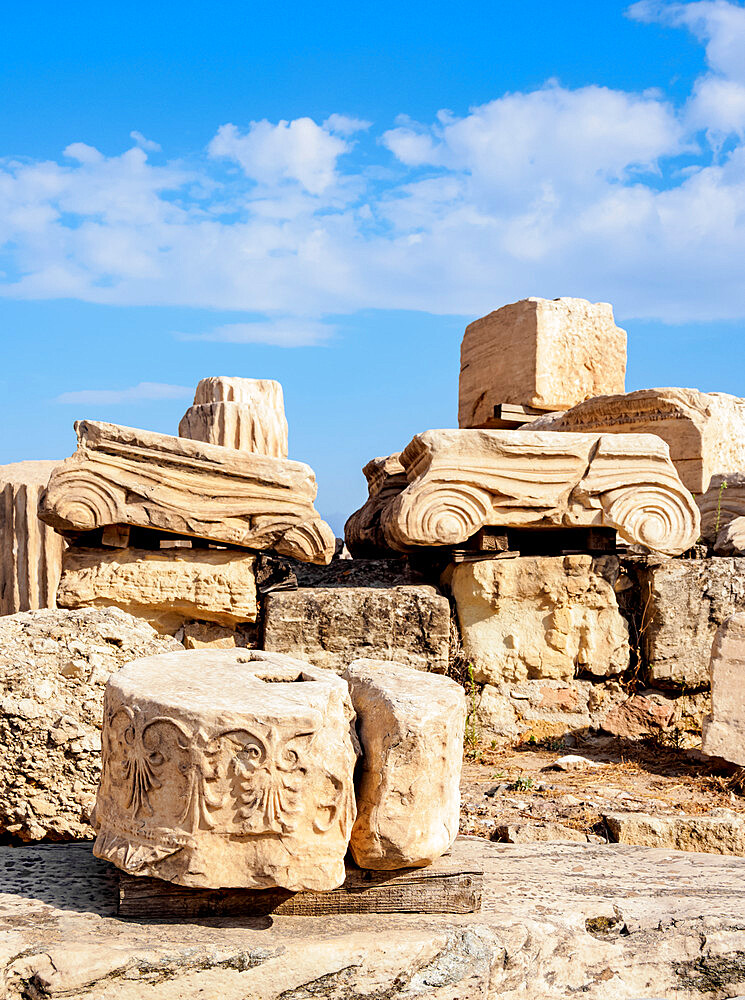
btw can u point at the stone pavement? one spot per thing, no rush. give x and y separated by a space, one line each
559 920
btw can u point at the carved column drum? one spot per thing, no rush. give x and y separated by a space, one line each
227 768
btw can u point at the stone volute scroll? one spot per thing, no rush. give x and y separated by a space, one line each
462 480
229 768
126 476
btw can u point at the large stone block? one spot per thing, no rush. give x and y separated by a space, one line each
683 602
125 476
724 730
53 669
540 617
227 768
30 552
463 480
705 431
243 413
408 797
543 353
333 626
167 587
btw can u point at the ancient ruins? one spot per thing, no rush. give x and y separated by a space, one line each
251 717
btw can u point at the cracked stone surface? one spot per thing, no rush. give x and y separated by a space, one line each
558 921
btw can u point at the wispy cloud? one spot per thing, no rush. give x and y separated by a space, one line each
592 191
290 332
140 393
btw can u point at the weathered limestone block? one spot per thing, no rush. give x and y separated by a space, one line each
53 669
463 480
705 430
731 539
243 413
331 626
411 729
386 478
227 768
166 587
30 552
544 353
684 601
722 831
121 475
724 730
540 617
720 505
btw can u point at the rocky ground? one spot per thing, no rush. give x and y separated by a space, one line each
603 789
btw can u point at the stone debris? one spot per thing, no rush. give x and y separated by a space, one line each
225 769
331 626
540 617
461 481
53 669
720 832
411 728
532 833
640 715
542 353
30 552
682 603
705 431
573 762
722 503
724 729
166 587
124 476
247 414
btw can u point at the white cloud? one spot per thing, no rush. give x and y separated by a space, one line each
285 332
143 143
141 393
590 191
298 151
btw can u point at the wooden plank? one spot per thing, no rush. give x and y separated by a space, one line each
508 416
449 885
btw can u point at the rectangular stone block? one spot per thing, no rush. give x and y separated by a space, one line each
165 587
544 353
30 552
724 730
683 602
540 617
331 627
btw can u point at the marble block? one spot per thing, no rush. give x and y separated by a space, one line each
227 768
411 727
547 354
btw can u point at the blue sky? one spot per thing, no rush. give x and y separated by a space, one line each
326 195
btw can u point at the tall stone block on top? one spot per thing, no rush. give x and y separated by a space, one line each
546 354
30 552
125 476
243 413
724 730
